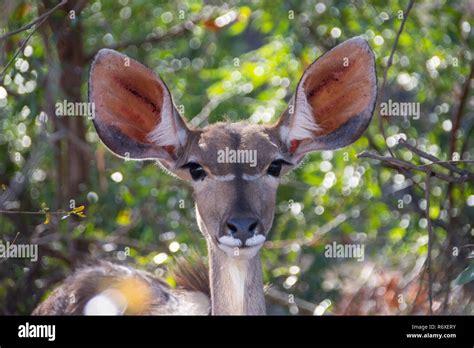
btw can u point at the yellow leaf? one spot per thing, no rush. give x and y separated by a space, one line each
171 282
47 219
77 209
245 11
124 217
434 212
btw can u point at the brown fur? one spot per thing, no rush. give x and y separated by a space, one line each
136 96
191 274
145 293
339 76
74 293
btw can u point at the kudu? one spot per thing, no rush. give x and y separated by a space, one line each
136 119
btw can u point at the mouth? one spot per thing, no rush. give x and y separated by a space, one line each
256 241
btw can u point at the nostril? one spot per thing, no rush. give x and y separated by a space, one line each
231 227
242 227
241 231
253 227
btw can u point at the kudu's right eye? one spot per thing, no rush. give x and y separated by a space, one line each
196 170
274 168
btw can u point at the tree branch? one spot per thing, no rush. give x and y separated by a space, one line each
460 111
205 112
18 51
446 164
37 20
282 298
175 31
278 244
398 163
40 20
430 240
389 64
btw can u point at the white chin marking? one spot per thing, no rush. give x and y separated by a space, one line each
255 240
232 246
240 253
230 241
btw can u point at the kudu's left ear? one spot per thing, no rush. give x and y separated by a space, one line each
334 100
134 113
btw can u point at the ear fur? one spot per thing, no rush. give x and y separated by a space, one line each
334 100
134 112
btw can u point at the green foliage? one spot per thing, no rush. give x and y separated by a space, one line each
465 276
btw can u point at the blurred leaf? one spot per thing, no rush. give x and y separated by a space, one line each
465 276
124 217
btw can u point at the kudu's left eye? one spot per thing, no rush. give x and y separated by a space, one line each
275 168
196 170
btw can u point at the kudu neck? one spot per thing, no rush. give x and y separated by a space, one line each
236 284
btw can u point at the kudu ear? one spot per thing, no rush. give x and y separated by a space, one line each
134 112
334 100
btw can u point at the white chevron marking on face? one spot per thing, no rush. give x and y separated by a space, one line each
227 177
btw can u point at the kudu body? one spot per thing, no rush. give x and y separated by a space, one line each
135 118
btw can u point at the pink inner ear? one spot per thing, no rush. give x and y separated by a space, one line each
127 97
340 86
294 145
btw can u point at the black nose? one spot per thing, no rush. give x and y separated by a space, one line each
242 228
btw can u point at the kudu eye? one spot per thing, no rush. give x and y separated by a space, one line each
275 168
196 170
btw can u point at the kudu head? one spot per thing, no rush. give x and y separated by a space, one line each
234 168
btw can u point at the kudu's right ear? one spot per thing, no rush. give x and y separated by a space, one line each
334 100
134 112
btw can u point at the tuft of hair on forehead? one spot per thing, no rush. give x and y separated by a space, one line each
236 137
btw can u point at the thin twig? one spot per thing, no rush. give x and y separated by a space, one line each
18 51
12 243
457 115
385 73
456 121
173 32
29 25
364 278
420 287
468 135
17 186
430 240
437 222
435 160
283 298
205 112
278 244
23 45
451 162
425 168
31 212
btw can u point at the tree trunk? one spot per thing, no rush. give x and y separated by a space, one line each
72 161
